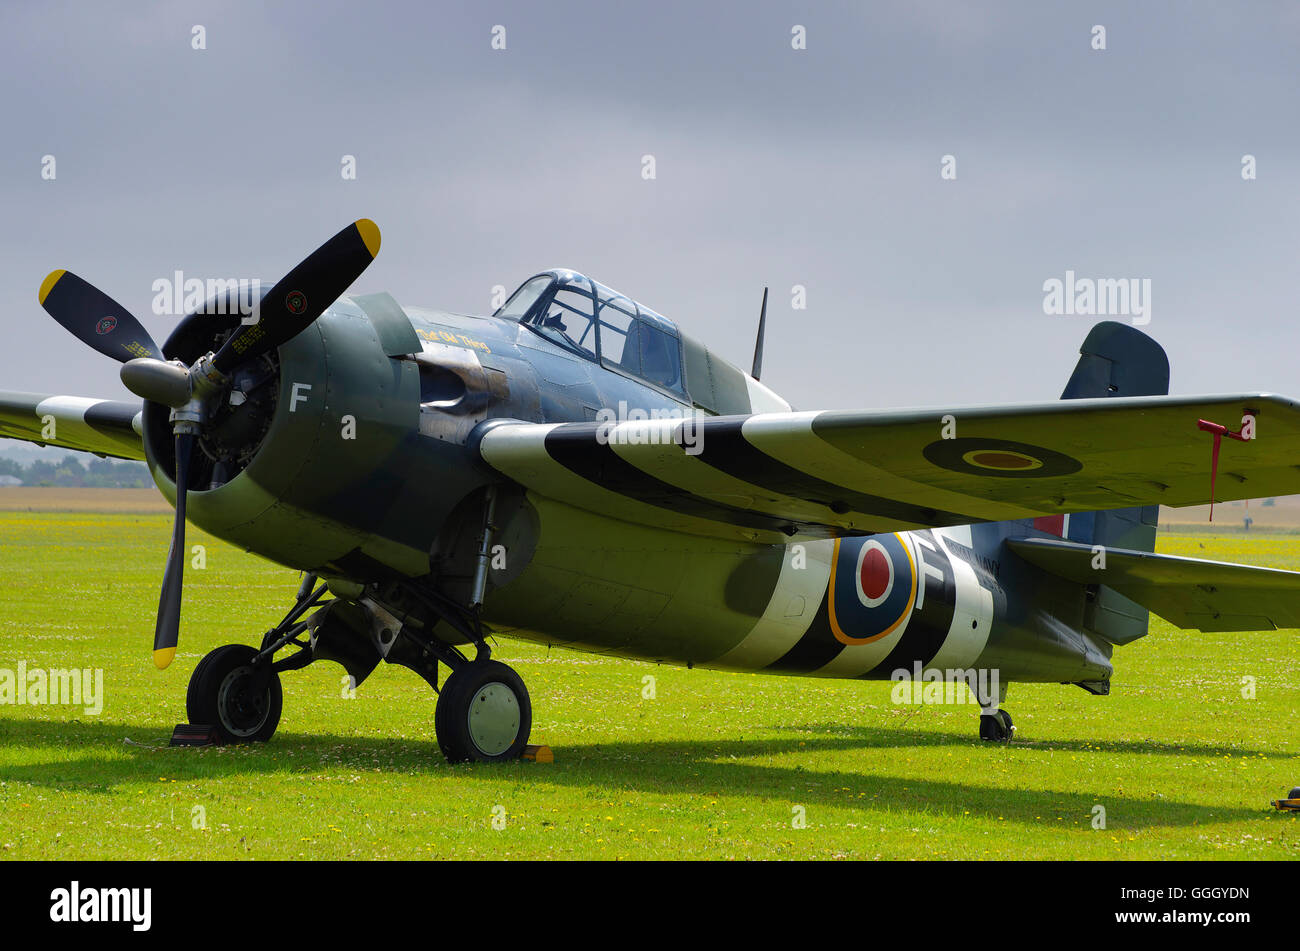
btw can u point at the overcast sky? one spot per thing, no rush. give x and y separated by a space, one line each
817 167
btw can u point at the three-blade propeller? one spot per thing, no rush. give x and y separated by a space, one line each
288 308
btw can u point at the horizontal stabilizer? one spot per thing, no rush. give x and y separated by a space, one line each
1188 592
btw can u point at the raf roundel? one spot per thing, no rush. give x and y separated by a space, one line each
1000 458
872 588
875 575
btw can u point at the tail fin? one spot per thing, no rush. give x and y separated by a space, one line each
1117 360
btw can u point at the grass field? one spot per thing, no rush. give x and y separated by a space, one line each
716 765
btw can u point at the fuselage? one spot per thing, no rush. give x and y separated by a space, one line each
368 470
867 607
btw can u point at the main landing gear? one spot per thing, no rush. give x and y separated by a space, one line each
230 692
483 712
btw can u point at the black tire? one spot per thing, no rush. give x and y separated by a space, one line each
1008 727
219 696
995 727
487 689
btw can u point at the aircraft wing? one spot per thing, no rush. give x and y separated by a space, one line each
1188 592
771 476
106 427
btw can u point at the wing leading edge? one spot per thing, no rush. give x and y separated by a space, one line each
106 427
772 476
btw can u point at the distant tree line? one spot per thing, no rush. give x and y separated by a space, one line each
72 472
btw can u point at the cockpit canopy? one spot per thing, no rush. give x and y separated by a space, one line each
600 324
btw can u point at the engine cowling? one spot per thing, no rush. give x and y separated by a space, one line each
315 459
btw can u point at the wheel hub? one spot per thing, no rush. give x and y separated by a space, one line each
242 708
493 718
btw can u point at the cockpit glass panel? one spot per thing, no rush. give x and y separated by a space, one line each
599 323
568 318
616 320
522 300
661 361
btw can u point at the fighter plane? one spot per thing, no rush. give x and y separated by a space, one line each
578 471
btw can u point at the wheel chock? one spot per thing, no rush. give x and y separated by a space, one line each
1291 803
194 734
538 754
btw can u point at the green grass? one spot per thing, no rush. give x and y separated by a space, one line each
714 766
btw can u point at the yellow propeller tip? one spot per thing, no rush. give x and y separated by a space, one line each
47 285
369 232
162 657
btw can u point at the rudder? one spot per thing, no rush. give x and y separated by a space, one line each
1117 360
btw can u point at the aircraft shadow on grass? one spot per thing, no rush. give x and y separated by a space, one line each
704 768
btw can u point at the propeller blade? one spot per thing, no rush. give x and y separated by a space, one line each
167 631
303 294
94 318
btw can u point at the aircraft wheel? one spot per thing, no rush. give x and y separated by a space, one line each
483 713
996 727
228 693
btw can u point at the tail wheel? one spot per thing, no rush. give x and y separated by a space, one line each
996 727
226 691
483 713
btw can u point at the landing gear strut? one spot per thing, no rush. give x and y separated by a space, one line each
483 711
236 688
